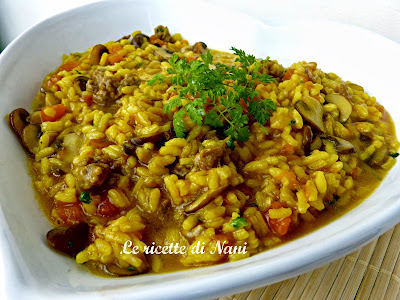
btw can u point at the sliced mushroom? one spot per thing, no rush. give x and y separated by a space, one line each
30 137
344 91
96 53
165 54
307 139
35 117
18 120
310 75
379 156
69 240
82 80
139 141
203 200
341 145
28 134
139 39
343 105
311 111
200 48
355 87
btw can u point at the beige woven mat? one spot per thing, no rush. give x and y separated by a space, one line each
373 272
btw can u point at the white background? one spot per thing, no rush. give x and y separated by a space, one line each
382 17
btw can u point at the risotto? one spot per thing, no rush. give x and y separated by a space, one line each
149 154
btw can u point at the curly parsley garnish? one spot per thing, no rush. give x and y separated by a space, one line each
218 95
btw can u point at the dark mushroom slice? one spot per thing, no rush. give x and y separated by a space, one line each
139 141
139 39
96 53
307 139
69 240
200 48
342 146
129 148
203 199
312 111
82 81
125 37
343 105
18 120
28 134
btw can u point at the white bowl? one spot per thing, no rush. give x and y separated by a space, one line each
32 270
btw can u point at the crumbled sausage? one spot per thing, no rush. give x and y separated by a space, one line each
162 33
92 175
209 158
104 88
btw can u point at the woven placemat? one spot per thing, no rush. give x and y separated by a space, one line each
372 272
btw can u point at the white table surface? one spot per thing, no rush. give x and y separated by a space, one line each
381 17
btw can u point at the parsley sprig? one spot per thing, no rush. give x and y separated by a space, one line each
218 95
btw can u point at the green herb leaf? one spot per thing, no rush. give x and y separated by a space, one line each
131 268
292 122
394 155
156 78
85 198
230 143
222 87
179 124
212 119
239 222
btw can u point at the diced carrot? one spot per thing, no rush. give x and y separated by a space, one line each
155 40
69 214
107 209
115 58
69 66
197 48
288 74
88 99
52 80
280 226
115 48
309 85
288 149
190 58
290 178
52 113
100 143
